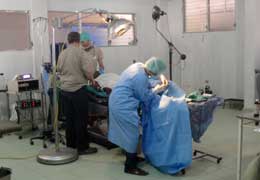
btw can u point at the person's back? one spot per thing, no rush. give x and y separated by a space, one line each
72 68
132 89
124 90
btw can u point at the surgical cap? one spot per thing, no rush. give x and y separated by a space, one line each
155 65
84 37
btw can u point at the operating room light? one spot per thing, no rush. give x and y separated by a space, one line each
119 27
122 29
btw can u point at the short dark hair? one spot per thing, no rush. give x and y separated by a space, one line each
73 37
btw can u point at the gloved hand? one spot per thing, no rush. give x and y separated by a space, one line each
159 88
101 70
95 85
164 80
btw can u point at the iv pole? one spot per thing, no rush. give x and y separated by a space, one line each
58 155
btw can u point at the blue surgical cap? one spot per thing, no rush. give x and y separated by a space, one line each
84 36
155 65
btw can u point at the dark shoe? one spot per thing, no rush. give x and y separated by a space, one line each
140 159
136 171
90 150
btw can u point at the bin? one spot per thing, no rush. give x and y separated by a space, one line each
5 173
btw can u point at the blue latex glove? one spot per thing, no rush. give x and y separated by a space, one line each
101 71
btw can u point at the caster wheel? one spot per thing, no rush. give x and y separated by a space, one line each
194 153
257 123
218 161
63 142
44 146
20 137
183 172
32 143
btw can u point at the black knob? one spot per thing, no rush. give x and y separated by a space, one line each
183 57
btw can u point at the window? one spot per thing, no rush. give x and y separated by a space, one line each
129 37
96 26
68 25
209 15
14 30
102 32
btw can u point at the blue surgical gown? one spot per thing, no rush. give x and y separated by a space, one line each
132 89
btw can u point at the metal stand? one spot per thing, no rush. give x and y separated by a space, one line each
52 156
56 155
204 154
171 47
240 147
201 153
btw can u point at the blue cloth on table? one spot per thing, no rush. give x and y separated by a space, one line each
167 141
201 115
99 93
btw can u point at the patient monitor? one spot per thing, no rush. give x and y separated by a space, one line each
21 83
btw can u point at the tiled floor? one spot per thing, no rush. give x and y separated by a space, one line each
220 139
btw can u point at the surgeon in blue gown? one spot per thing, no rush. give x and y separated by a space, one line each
132 90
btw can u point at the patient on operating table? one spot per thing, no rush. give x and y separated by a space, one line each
167 124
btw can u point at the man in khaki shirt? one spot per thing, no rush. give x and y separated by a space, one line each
95 52
75 71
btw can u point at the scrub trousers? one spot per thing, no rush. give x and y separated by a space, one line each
75 110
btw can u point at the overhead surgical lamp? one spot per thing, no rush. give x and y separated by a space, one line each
119 26
157 13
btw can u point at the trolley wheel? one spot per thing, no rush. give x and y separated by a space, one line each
62 142
44 146
183 172
32 143
219 159
194 153
20 137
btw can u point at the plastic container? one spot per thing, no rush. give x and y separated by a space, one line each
5 173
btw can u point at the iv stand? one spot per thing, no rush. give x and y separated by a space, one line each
57 155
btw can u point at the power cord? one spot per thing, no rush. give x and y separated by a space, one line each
17 158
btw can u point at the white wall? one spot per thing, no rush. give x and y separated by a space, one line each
215 56
24 61
251 54
116 59
257 29
15 62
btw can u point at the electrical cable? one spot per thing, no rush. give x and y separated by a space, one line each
17 158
